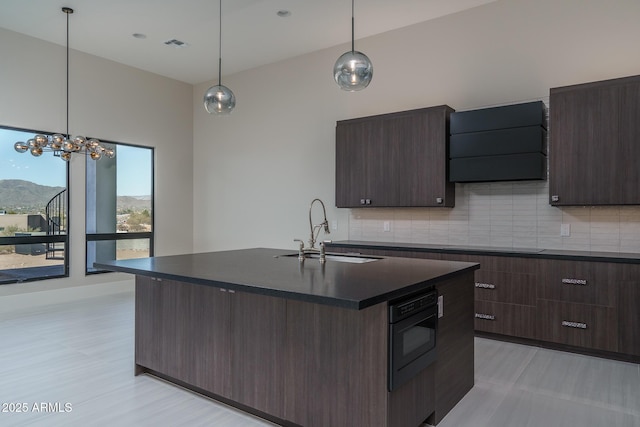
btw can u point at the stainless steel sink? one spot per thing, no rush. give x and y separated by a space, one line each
355 259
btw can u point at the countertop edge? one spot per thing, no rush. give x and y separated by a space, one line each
612 257
297 296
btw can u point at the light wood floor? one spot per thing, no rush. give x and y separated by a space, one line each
81 354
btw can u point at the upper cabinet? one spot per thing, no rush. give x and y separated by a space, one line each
594 143
394 160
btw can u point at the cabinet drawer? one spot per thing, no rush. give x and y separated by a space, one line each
580 282
581 325
505 319
513 288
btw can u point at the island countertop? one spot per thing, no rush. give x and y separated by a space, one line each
271 272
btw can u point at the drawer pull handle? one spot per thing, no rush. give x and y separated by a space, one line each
485 285
577 325
485 316
582 282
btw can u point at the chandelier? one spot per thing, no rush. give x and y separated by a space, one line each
65 145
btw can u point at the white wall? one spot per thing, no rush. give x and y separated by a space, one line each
256 171
109 101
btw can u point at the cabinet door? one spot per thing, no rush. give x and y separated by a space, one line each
258 328
594 129
416 154
182 330
359 162
627 187
583 146
394 160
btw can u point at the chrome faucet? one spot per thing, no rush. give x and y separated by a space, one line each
315 231
313 228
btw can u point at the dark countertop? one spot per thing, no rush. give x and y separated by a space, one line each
267 272
617 257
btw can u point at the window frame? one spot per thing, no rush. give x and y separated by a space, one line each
115 237
29 240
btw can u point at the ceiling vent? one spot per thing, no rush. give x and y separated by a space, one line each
176 43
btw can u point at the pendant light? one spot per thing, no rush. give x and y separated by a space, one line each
353 70
219 99
64 145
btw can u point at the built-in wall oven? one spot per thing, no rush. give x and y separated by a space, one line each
412 336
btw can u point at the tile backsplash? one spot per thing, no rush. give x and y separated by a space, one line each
504 214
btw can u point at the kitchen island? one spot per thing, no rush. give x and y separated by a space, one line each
300 343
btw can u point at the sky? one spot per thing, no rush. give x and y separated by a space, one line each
133 165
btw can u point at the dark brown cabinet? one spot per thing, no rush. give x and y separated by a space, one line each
594 130
581 305
629 311
184 331
394 160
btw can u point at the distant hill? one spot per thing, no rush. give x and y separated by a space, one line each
16 193
134 202
28 197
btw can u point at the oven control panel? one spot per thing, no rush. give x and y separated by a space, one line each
406 308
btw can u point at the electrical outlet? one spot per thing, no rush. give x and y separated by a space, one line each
334 224
565 230
386 226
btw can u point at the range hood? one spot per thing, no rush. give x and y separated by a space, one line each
506 143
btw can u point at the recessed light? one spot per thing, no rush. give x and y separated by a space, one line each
283 13
139 35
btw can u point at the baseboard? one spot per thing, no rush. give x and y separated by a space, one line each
56 296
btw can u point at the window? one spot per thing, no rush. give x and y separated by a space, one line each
119 205
33 212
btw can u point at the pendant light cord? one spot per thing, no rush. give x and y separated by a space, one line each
352 28
68 12
220 45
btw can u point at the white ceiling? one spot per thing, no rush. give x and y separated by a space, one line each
252 33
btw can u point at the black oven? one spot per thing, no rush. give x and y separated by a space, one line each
412 336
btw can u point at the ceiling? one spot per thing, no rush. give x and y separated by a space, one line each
252 32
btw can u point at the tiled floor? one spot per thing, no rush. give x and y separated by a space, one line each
81 353
523 386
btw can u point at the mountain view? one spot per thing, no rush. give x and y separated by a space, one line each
18 196
21 197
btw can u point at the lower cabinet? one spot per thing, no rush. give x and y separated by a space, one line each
579 325
588 305
629 311
505 319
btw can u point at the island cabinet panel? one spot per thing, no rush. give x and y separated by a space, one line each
394 160
593 143
183 331
629 311
454 367
258 350
336 373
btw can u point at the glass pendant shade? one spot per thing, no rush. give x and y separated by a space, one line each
220 100
353 71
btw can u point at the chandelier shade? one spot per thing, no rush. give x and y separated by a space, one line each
353 70
64 145
219 99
